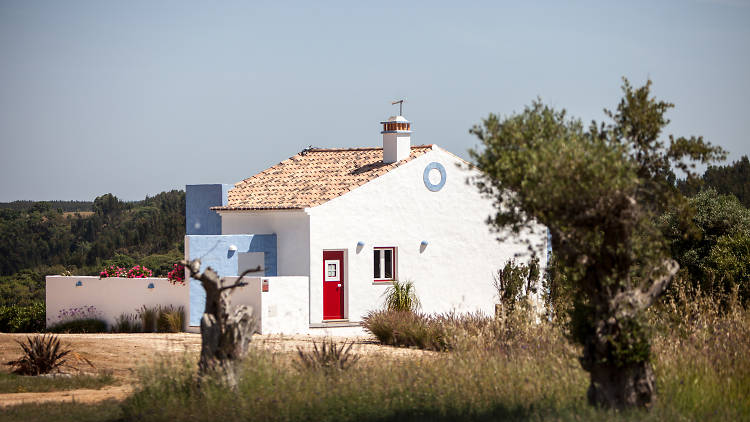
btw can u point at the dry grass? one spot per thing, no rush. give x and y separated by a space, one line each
495 370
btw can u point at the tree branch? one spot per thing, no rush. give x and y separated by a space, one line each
630 302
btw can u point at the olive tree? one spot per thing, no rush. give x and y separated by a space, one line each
226 330
598 190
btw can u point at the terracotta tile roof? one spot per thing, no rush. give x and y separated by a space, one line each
312 177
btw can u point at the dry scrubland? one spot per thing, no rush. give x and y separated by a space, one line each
515 371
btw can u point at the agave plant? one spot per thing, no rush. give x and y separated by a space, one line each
329 356
42 355
401 296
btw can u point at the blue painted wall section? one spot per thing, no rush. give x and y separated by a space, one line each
213 251
199 219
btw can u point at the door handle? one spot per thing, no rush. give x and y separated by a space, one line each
339 284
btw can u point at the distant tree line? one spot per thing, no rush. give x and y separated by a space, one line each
40 240
731 179
64 206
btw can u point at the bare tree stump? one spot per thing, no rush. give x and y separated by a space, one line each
226 331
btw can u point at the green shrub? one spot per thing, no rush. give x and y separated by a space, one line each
170 319
79 326
515 282
127 323
162 264
41 355
401 296
22 319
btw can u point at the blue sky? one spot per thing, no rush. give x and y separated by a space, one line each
138 97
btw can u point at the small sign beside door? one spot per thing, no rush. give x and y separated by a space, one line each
264 285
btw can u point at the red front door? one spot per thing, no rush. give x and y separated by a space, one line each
333 285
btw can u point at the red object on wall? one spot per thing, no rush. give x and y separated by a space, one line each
264 283
333 285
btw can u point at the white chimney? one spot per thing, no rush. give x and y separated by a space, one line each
396 139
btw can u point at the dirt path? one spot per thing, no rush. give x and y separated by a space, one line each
122 354
117 392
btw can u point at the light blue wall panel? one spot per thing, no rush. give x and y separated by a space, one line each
199 218
213 251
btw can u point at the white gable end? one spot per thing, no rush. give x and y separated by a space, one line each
437 228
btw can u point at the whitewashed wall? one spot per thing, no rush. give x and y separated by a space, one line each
111 296
453 272
292 228
282 309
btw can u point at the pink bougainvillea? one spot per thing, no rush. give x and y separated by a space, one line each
113 271
138 271
177 275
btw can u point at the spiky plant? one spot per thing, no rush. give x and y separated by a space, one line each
42 355
330 356
401 296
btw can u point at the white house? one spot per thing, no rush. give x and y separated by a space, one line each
331 229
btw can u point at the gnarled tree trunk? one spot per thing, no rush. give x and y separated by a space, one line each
621 382
622 387
226 331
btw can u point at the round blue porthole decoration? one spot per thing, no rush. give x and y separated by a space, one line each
426 176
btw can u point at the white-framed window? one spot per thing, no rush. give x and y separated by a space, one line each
384 263
332 270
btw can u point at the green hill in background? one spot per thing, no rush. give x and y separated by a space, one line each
42 238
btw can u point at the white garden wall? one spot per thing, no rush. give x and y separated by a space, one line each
282 309
111 296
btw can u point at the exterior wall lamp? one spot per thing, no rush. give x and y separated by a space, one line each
79 283
233 248
150 285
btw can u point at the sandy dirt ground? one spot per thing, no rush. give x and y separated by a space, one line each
123 354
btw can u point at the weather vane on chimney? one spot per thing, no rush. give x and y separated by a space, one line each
400 106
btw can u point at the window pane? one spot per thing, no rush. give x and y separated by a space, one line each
331 270
388 263
376 255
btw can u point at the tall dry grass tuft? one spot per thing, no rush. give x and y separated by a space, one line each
701 346
170 319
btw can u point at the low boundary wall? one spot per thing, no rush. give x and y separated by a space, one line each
111 296
282 309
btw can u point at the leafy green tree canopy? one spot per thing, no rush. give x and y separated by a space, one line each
717 257
599 191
